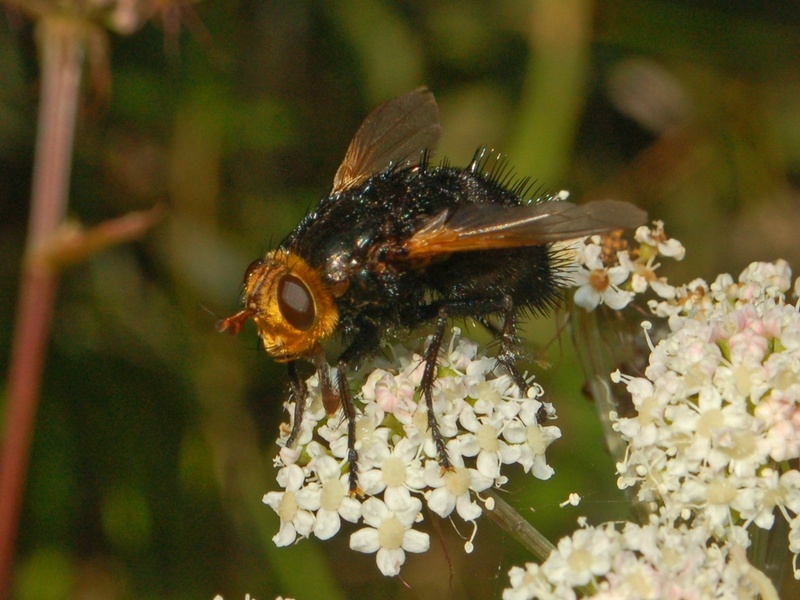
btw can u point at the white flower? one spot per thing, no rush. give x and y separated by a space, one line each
389 532
292 505
483 441
643 275
452 489
656 238
532 438
598 284
605 264
393 393
397 470
773 278
531 582
330 499
481 418
774 491
582 557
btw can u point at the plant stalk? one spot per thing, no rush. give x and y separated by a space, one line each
61 42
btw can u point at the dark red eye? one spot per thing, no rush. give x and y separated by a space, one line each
295 302
252 268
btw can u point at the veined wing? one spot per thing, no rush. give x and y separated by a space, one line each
492 226
398 132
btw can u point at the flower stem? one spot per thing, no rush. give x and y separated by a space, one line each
506 516
61 43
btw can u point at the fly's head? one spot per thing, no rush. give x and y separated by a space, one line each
292 308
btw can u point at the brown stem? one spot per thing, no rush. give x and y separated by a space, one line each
61 43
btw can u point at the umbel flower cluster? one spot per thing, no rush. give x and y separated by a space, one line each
651 561
483 417
716 440
712 450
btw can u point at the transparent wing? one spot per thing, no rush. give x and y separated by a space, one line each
398 132
493 226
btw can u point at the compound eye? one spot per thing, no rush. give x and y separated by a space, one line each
252 268
295 302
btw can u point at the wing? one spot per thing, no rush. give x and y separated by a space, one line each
492 226
398 132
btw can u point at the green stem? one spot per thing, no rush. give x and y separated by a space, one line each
507 517
554 93
61 42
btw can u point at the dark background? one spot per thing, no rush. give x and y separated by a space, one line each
155 435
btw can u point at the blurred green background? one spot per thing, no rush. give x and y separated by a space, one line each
155 435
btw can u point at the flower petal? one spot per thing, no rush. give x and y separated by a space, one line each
390 561
365 540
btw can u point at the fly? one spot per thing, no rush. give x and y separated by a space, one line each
399 242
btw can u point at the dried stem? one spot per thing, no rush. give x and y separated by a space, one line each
61 43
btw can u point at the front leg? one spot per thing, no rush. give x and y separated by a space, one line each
349 410
332 396
365 344
299 393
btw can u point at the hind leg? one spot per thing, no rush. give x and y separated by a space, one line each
509 342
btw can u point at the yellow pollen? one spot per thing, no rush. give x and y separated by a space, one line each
721 493
390 534
332 495
536 439
599 280
394 471
709 422
580 560
457 482
487 438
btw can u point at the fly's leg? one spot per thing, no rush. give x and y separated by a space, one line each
507 354
428 377
350 414
299 393
366 342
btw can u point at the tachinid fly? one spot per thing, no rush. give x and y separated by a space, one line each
400 242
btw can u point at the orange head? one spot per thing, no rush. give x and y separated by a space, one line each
290 305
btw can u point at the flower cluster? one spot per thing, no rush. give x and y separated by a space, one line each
485 421
650 562
713 449
717 435
608 272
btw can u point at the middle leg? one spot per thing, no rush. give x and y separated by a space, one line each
428 378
